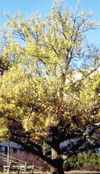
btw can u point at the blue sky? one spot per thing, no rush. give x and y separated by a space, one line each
27 7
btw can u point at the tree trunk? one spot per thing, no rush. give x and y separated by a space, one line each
58 163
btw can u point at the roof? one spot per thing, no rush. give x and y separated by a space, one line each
10 144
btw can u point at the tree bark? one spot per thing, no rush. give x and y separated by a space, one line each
58 163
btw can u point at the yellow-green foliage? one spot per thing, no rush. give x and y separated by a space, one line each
40 54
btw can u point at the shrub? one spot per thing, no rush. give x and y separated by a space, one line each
89 161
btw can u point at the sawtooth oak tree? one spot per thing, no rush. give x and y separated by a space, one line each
50 85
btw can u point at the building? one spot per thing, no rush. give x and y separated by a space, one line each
12 153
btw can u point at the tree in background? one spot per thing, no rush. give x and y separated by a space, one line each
49 85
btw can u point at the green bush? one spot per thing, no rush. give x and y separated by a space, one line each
83 161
